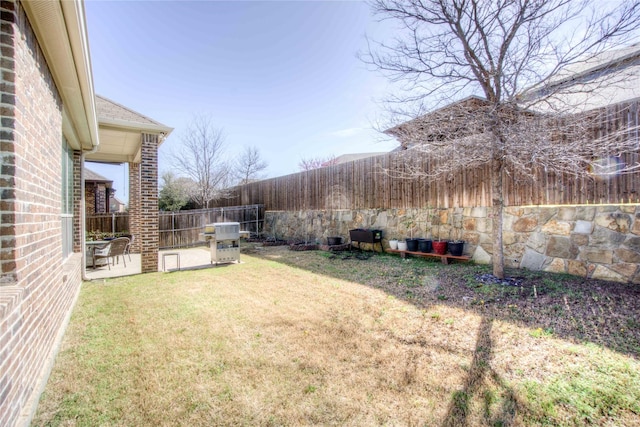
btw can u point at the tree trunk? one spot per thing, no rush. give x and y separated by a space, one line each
497 199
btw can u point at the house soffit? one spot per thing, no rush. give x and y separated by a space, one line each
121 130
60 28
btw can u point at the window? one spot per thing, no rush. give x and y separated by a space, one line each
67 199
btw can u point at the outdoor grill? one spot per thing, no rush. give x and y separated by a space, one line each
224 241
360 235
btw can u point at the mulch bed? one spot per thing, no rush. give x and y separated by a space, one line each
274 243
336 248
303 247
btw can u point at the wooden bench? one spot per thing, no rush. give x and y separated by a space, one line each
444 258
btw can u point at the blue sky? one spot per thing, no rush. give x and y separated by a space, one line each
281 76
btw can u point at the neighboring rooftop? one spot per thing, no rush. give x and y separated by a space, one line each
608 78
355 156
90 175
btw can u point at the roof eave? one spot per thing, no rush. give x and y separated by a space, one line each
60 27
151 128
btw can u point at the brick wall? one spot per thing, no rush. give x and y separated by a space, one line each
134 205
100 199
37 287
149 203
95 196
7 153
78 235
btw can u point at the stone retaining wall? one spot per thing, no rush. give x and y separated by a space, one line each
600 241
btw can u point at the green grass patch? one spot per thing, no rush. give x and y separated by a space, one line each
298 338
601 389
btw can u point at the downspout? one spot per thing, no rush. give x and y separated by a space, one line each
83 211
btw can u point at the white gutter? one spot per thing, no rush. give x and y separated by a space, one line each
136 126
60 27
83 213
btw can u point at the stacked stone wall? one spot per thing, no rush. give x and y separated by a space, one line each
592 241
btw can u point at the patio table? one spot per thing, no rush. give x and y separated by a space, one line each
95 246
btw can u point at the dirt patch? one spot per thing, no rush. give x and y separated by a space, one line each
574 308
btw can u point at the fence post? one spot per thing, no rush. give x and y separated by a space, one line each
113 223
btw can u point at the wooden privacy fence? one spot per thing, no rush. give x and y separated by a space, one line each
364 184
183 228
107 223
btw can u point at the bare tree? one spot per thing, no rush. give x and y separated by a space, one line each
248 165
316 163
201 158
515 55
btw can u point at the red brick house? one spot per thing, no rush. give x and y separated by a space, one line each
98 192
51 122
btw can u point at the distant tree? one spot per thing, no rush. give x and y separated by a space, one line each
175 192
248 165
201 158
445 50
316 163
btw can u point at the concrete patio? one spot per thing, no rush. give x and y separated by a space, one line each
190 259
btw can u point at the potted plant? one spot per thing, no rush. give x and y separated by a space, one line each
439 245
456 246
393 244
334 240
402 245
412 244
425 245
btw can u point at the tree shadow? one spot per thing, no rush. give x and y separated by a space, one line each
567 307
477 385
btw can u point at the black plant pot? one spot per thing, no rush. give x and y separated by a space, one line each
455 248
425 245
412 245
334 241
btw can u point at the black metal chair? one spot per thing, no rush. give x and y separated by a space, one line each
111 251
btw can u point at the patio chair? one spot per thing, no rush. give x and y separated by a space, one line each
112 251
128 248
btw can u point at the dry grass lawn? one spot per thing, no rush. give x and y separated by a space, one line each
265 343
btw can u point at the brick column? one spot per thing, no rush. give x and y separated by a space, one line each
101 198
8 273
149 203
78 232
134 205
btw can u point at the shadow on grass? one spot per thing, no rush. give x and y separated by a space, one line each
476 386
569 307
548 305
